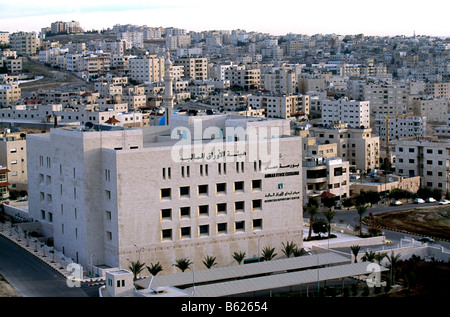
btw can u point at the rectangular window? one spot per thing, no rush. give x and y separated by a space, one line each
204 230
166 213
185 212
256 204
185 232
166 234
166 193
239 206
222 228
203 210
257 224
222 208
239 186
203 190
256 184
184 191
240 225
221 188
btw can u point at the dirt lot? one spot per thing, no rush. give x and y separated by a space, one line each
53 78
6 290
433 222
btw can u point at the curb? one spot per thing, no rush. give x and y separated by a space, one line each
95 281
405 231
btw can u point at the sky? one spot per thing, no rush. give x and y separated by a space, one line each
277 17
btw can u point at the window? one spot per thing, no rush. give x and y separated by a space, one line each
239 206
108 215
166 193
203 210
185 232
204 230
221 228
166 234
257 224
203 190
109 235
239 186
222 208
240 225
166 213
256 184
185 212
221 188
256 204
184 191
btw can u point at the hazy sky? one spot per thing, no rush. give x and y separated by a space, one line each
278 17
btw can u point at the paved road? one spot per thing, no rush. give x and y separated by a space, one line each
32 278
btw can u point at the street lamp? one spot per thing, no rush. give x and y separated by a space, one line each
139 252
92 267
259 238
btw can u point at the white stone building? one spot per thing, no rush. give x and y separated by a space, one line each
354 113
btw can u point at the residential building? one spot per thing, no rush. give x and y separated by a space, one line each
147 69
195 68
426 157
4 193
403 126
13 156
390 100
354 113
23 43
10 94
356 145
244 77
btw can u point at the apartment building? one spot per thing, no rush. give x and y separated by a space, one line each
195 68
438 89
244 77
404 126
353 113
4 37
24 43
13 156
147 69
390 100
4 193
426 157
280 81
356 145
106 196
9 94
434 109
281 106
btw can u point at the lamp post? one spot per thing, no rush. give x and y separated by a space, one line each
92 266
259 238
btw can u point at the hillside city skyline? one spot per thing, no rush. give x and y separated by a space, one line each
345 18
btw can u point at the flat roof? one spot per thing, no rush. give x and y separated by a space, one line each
281 280
221 274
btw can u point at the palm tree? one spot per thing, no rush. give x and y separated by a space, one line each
361 209
312 210
289 248
239 256
209 261
329 215
393 260
154 269
268 253
136 268
369 256
355 250
380 256
299 252
183 264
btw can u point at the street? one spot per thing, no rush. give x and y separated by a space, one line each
33 278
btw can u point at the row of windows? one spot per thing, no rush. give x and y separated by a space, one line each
203 190
205 230
204 210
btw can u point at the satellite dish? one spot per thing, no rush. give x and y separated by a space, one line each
88 125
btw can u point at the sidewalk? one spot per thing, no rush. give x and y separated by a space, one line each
32 246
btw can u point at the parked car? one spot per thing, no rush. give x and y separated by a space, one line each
419 201
396 203
430 200
444 202
426 239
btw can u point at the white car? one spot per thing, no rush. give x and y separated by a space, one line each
430 200
419 201
396 203
444 202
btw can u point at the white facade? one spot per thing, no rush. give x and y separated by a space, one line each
354 113
112 194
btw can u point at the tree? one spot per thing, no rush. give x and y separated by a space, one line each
239 256
154 269
361 210
329 215
209 261
299 252
369 256
380 256
136 268
393 261
183 264
372 197
355 251
348 202
319 226
268 253
313 211
289 248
